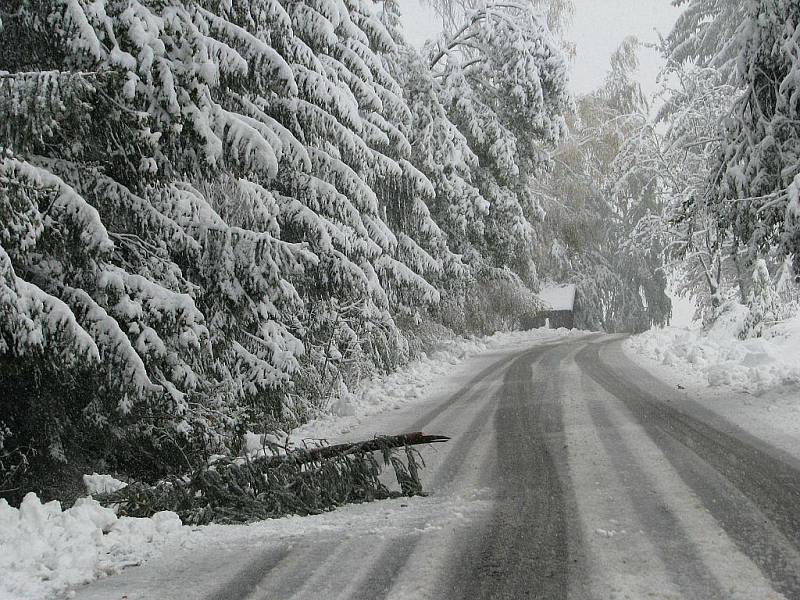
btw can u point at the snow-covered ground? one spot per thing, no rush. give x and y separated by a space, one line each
45 550
754 383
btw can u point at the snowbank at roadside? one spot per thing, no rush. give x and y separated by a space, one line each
44 549
753 383
719 358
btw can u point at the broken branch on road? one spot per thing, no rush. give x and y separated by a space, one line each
303 481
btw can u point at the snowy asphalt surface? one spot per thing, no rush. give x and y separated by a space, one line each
572 473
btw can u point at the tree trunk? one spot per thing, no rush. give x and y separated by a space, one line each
307 455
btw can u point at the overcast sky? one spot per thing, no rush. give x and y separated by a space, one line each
598 28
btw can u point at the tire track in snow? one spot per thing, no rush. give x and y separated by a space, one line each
353 574
753 495
248 578
342 570
524 550
738 576
296 568
616 565
516 373
677 552
393 558
336 562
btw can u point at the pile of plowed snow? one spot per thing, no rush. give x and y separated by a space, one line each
44 549
719 357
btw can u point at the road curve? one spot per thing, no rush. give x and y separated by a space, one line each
572 474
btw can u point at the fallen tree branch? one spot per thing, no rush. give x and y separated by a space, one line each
303 481
379 443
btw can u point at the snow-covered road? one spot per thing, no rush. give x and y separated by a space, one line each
572 473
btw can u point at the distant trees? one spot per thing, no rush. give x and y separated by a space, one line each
215 214
675 155
594 209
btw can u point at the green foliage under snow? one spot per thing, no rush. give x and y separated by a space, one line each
244 490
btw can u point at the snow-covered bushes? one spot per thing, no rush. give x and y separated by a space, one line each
764 305
752 347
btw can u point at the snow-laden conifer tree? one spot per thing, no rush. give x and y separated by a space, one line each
503 84
762 143
113 118
706 34
359 203
484 109
214 211
441 151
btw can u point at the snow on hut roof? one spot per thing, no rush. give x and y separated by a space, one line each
558 296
